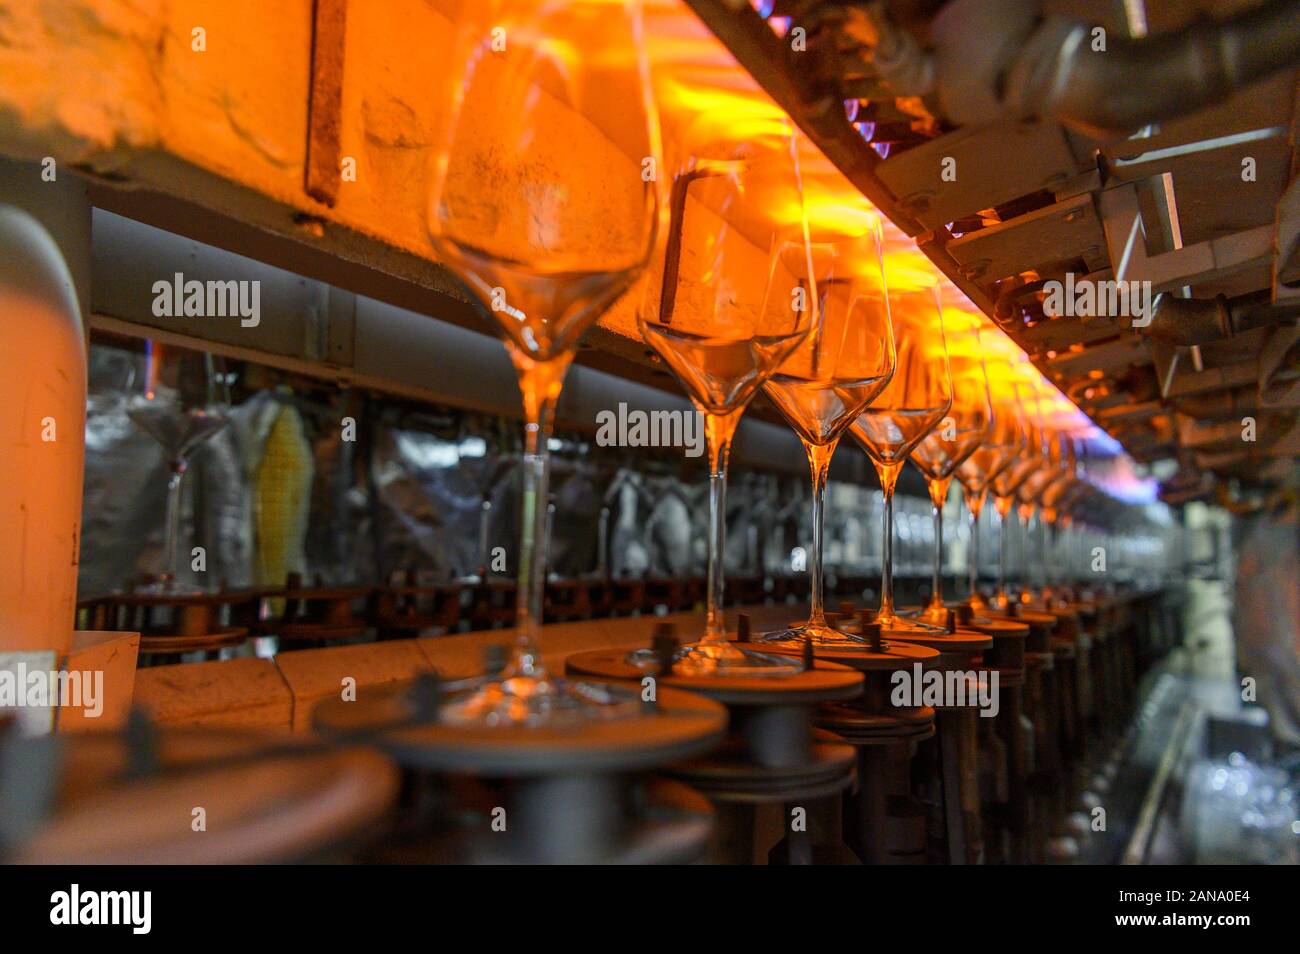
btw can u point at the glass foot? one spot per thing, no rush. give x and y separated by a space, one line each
718 659
168 587
899 623
819 633
531 701
979 611
931 614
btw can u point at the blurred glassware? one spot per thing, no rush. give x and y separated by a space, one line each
543 94
827 381
1235 811
966 427
181 399
728 299
1048 452
976 473
915 401
1005 483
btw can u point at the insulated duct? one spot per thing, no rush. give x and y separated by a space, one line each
996 60
1195 321
42 437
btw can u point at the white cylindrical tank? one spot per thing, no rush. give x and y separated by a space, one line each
42 437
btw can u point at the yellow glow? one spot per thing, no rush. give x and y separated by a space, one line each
722 112
700 87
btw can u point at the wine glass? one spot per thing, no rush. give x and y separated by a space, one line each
1029 493
997 452
1005 484
938 455
180 398
912 404
831 378
730 297
544 200
1054 501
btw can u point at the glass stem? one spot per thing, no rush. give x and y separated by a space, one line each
172 526
819 464
938 497
1026 564
888 474
974 503
1046 546
1003 507
719 429
540 382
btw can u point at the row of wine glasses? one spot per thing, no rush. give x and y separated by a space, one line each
181 399
967 427
740 297
731 295
1002 444
547 198
544 198
831 380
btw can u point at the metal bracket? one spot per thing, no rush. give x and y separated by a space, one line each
325 105
1287 244
1121 218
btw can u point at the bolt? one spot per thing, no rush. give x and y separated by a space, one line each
917 201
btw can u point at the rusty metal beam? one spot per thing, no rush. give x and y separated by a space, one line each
818 112
253 225
325 103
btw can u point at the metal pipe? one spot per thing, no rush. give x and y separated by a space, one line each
42 437
1135 82
1224 405
898 57
1193 321
995 60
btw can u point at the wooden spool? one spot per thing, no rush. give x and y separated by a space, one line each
1078 626
571 788
1005 752
1007 654
314 616
957 650
493 603
569 600
266 799
155 645
1063 683
1041 626
1043 709
1066 616
175 624
772 714
773 753
1102 707
958 739
881 819
406 610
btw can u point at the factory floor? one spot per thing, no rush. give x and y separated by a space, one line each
1191 718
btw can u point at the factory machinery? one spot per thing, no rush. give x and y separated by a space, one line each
280 563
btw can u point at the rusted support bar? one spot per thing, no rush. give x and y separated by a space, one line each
325 105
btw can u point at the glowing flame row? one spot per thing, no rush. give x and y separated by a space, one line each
698 85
